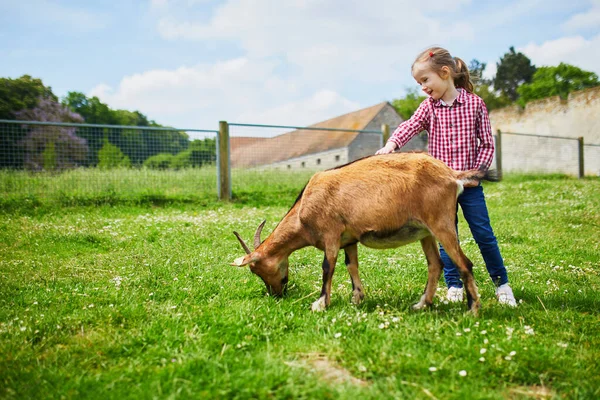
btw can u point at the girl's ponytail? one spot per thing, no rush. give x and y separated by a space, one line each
462 78
437 57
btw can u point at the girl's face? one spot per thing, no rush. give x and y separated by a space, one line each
431 83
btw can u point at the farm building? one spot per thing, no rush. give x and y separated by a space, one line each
315 149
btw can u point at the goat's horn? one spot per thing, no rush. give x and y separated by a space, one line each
257 234
237 235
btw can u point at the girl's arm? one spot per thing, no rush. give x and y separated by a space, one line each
485 150
408 129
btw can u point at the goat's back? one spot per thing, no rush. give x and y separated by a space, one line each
379 192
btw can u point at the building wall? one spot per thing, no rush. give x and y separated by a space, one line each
579 115
318 161
388 115
365 144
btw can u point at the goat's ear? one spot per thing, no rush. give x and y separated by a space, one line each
245 260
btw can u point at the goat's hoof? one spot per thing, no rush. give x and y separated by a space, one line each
319 305
422 304
357 298
474 309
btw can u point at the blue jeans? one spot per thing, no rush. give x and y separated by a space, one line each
472 203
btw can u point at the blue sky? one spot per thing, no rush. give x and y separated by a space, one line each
191 63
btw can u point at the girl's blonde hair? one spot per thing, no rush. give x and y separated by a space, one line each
437 57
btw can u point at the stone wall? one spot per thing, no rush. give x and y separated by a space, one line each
365 144
577 116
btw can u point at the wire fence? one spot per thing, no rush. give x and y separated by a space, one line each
546 154
44 160
285 156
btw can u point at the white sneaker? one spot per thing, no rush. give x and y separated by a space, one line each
505 295
455 295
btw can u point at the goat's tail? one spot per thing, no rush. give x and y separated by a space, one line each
476 175
481 174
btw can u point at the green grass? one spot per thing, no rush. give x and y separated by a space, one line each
124 299
27 192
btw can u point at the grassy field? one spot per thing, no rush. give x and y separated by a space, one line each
24 191
105 295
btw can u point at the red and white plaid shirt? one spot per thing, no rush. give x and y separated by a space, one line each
460 135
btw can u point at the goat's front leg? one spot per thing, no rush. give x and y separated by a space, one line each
352 264
328 268
434 266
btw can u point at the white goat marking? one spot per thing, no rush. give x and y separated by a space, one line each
460 188
319 305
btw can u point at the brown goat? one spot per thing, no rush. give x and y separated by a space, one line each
382 201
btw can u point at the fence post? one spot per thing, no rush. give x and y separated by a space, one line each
385 130
499 153
223 164
581 161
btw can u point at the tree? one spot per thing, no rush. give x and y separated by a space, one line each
552 81
96 112
21 94
136 144
476 70
155 142
514 69
47 146
407 106
17 95
483 87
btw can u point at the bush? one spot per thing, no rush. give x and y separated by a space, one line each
110 156
160 161
182 160
49 157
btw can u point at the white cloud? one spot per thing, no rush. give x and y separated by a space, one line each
322 105
238 90
502 14
303 61
574 50
297 57
331 40
186 89
490 70
585 20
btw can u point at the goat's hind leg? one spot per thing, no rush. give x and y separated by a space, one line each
465 267
434 271
351 259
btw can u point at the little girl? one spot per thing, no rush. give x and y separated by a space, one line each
460 135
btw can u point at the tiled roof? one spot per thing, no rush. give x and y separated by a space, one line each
240 142
301 142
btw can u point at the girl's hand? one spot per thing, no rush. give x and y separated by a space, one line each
388 148
473 183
